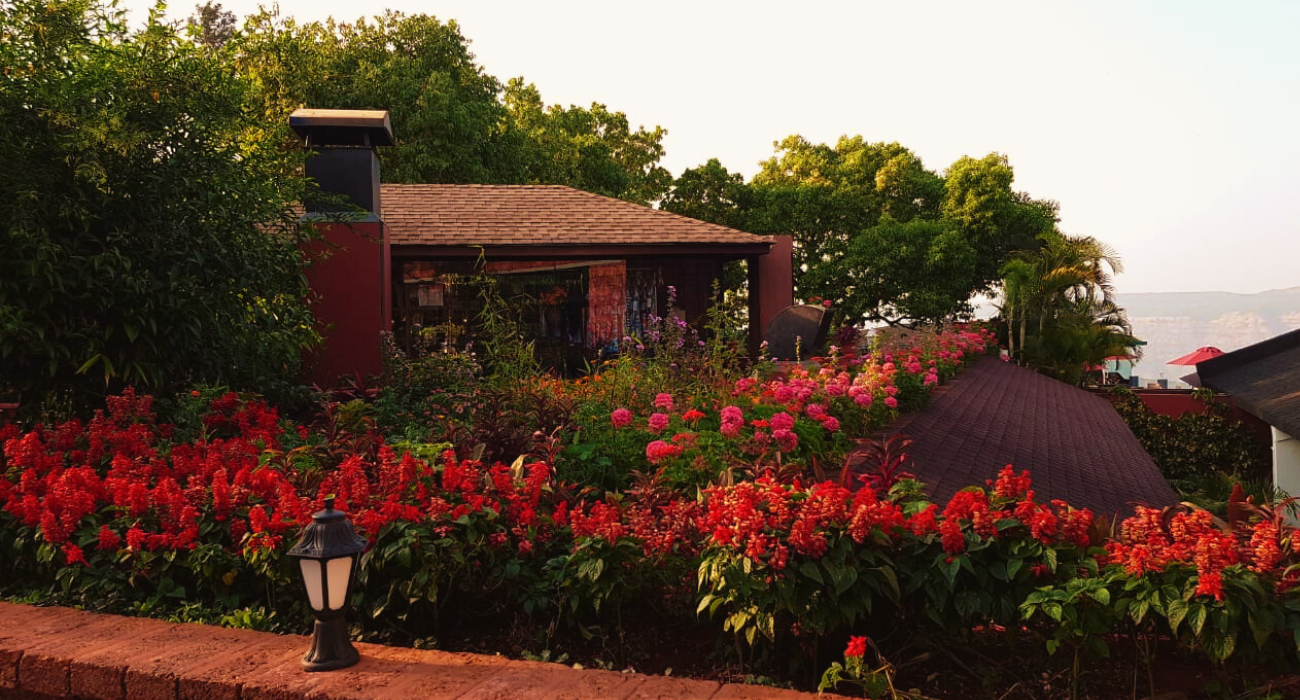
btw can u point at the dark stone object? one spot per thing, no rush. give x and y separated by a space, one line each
803 325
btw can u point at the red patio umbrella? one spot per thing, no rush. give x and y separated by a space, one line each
1201 355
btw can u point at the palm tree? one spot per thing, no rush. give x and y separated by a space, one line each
1017 281
1067 286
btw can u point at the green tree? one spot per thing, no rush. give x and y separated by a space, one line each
1060 306
212 26
711 193
594 149
998 221
447 120
452 121
872 215
148 229
918 271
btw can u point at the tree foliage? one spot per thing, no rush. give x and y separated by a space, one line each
148 230
711 193
1059 305
447 120
874 229
452 121
594 149
212 26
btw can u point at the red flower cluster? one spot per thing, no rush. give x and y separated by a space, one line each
1154 540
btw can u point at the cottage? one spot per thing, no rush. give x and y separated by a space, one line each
596 268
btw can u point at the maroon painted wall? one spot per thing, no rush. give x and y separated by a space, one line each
771 288
351 304
776 272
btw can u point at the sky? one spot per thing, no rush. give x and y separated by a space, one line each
1169 130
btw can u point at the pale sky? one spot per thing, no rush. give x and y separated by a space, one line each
1166 129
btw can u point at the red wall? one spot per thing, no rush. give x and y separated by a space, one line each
350 285
771 288
776 270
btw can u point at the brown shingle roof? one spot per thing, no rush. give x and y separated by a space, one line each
1074 444
1263 378
550 215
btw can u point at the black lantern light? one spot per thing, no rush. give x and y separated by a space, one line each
328 552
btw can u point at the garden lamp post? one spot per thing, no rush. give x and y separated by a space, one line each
327 552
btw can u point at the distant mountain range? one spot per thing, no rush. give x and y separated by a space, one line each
1176 323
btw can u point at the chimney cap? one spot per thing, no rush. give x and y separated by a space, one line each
342 127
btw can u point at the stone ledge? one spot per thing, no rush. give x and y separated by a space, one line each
63 653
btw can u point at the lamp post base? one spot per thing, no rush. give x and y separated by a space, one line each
330 647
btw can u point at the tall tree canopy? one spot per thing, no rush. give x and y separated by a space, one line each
452 121
146 221
448 122
874 229
591 149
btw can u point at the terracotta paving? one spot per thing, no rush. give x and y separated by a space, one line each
65 653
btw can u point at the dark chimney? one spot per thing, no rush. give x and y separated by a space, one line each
344 163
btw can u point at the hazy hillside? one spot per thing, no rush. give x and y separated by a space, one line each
1176 323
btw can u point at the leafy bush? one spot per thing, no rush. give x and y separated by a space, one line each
149 230
1200 453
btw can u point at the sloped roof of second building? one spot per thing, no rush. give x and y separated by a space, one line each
1073 443
1263 378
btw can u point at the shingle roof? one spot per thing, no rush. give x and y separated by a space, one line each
1074 444
459 215
1263 378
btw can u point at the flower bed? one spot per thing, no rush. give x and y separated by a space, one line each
711 515
116 511
803 418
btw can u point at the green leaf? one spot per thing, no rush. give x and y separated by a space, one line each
811 570
1053 610
967 604
1260 629
1037 597
892 579
704 603
1139 610
1175 611
1220 647
843 577
1101 595
1196 614
1049 557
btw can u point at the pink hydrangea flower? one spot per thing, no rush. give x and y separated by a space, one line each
891 402
664 401
621 418
782 421
831 424
658 421
786 440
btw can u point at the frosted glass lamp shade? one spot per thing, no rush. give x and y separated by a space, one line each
315 583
